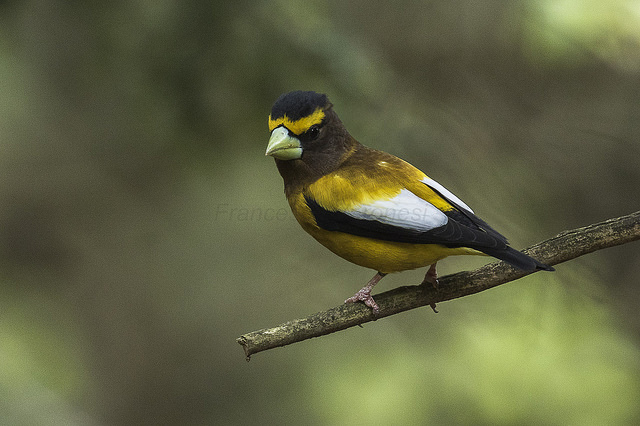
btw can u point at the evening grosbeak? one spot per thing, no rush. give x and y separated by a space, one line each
367 206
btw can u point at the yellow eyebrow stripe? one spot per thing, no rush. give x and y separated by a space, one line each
298 126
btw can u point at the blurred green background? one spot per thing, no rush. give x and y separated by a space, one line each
142 229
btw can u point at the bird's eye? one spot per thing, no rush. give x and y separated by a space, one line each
313 132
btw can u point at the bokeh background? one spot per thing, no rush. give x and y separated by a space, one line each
142 230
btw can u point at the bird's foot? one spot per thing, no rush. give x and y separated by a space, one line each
364 294
431 276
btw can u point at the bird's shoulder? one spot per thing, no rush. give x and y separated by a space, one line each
368 176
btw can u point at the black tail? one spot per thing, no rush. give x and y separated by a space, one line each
517 259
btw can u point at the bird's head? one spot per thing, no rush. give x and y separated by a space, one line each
305 129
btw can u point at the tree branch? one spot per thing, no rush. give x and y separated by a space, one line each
561 248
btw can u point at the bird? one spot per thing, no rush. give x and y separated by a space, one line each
370 207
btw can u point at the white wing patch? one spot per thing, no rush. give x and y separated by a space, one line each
448 195
405 210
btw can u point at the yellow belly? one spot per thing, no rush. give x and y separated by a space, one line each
385 256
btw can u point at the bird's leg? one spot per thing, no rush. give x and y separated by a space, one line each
364 294
431 276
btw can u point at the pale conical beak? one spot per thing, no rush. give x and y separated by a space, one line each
283 146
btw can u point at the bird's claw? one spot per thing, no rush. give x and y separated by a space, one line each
364 296
431 277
